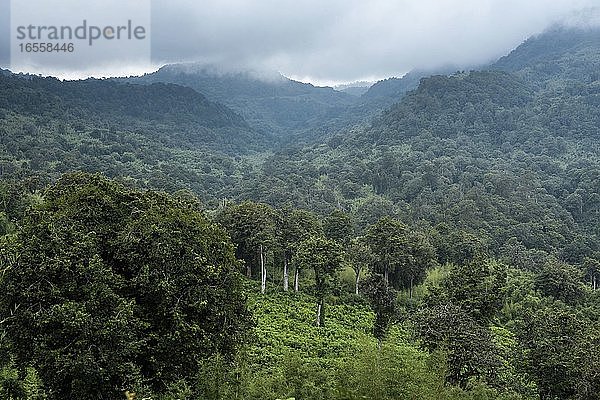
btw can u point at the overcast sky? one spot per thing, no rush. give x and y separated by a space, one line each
330 41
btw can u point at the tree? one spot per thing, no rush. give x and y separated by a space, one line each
469 346
558 343
457 246
326 257
382 299
387 240
120 289
338 226
591 267
252 227
417 257
477 288
295 226
561 281
360 259
402 257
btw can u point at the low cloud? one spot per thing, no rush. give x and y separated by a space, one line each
348 40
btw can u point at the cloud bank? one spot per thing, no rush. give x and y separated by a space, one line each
335 41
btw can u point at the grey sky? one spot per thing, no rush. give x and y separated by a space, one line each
4 32
328 41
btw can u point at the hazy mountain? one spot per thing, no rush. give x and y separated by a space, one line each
355 89
272 103
561 53
158 102
389 91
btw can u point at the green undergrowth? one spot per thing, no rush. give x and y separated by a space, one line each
293 358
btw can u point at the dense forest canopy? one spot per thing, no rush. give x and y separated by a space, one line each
236 237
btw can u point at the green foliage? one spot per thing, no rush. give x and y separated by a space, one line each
455 317
338 226
477 288
120 289
325 257
469 346
403 256
361 259
457 246
105 288
383 301
560 281
557 342
293 358
250 225
288 108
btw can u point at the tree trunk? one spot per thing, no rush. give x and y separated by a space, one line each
320 321
296 279
286 277
386 276
410 290
248 270
263 273
356 283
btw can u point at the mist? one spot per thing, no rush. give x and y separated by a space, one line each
345 40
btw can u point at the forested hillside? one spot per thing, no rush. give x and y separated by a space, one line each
293 111
445 246
161 135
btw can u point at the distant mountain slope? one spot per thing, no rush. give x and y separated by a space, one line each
389 91
355 89
271 103
161 135
446 106
561 53
485 151
158 102
393 87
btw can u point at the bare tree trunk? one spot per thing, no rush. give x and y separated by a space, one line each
410 291
356 283
249 271
319 313
594 283
286 277
296 279
386 276
263 273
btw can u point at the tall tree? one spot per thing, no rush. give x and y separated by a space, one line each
252 227
360 259
470 347
558 343
326 258
402 256
561 281
383 302
477 287
295 226
387 241
591 268
339 226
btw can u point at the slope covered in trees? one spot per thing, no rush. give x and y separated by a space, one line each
561 53
160 135
291 110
